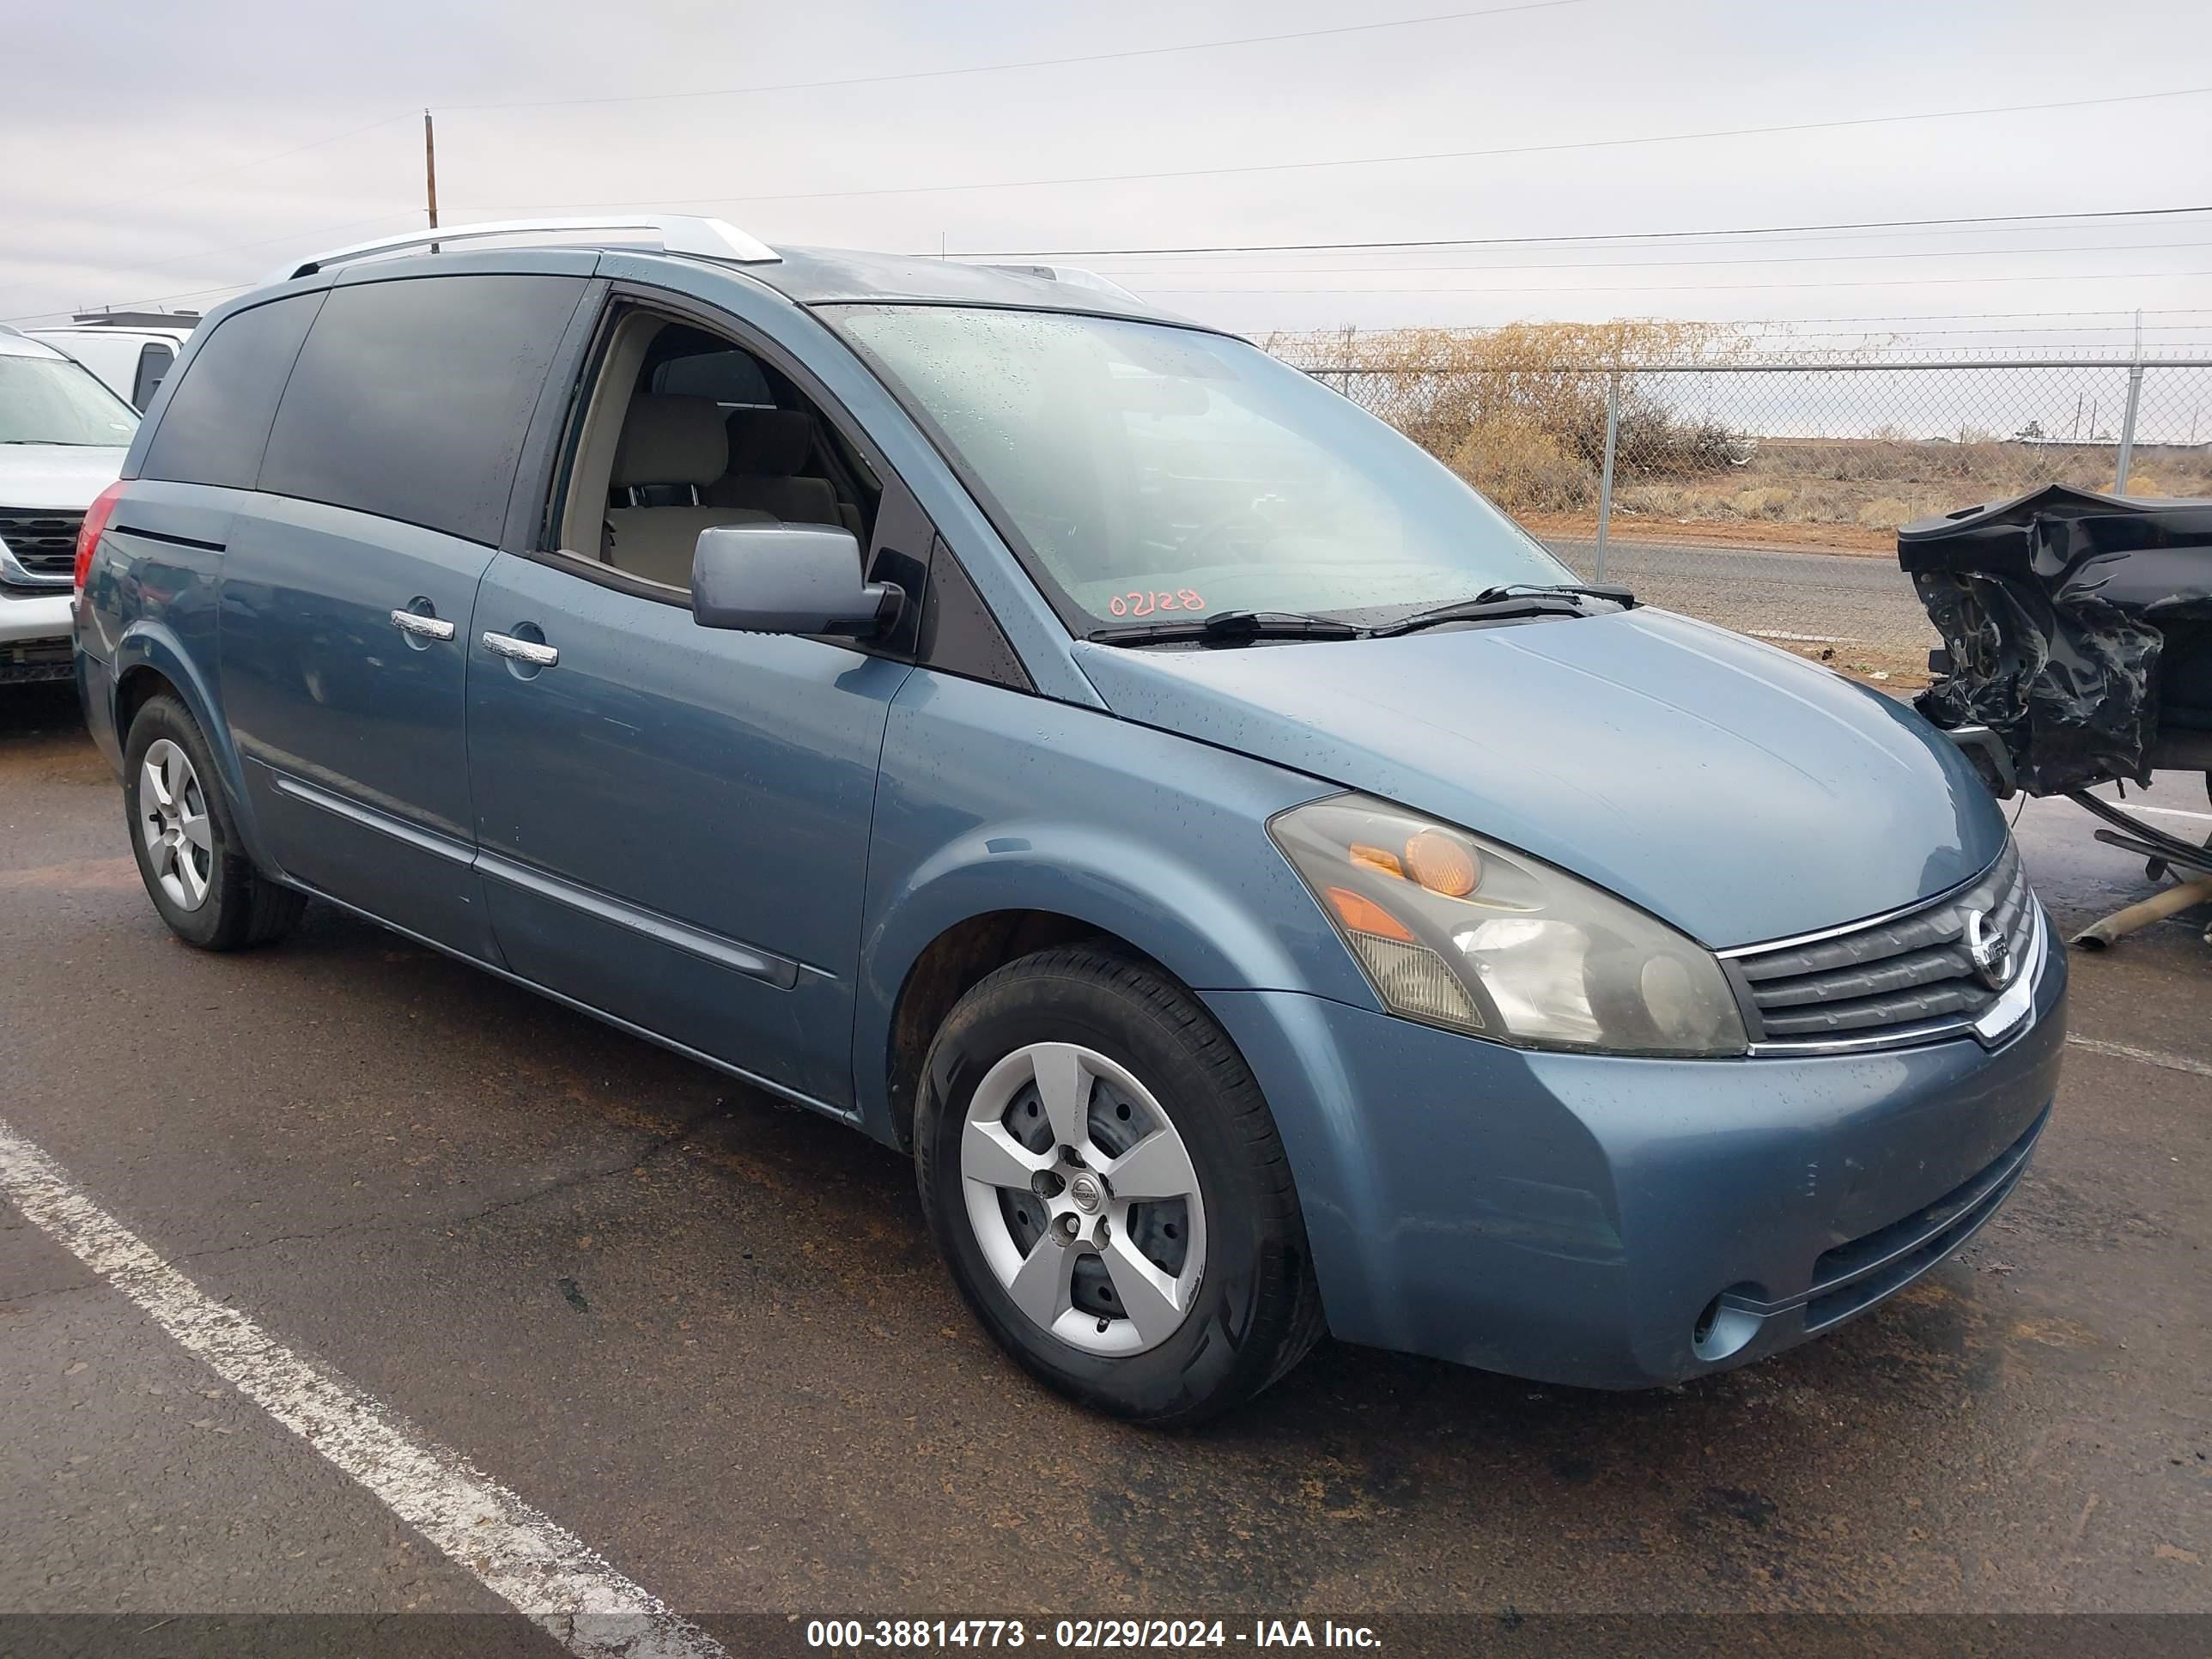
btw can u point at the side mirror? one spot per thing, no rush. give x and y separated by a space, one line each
788 578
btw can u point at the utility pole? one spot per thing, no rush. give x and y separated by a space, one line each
2128 420
430 168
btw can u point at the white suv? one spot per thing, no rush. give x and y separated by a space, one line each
131 351
63 437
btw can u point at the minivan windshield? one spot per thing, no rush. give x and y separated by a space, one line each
51 400
1153 470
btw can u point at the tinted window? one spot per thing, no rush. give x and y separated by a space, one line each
154 360
412 398
217 421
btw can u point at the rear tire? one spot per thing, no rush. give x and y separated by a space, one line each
1183 1294
187 843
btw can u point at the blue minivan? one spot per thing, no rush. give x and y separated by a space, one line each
1263 890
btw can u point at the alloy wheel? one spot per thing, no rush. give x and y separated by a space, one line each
172 822
1083 1199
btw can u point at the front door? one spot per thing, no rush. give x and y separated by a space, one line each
673 820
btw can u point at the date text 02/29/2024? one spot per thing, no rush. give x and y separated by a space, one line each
1082 1635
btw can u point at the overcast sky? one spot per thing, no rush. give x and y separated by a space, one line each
146 163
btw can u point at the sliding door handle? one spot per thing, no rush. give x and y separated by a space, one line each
536 654
422 627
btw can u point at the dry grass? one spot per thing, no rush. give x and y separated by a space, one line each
1878 484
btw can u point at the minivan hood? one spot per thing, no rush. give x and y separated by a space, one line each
65 478
1734 790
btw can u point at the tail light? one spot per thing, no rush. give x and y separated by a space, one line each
95 525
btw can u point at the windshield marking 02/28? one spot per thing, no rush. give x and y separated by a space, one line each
1136 466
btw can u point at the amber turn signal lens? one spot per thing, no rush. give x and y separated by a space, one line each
1374 858
1364 915
1442 863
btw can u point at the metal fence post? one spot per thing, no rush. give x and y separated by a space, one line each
1605 477
2128 427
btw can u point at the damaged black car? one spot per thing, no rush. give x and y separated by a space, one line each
2077 635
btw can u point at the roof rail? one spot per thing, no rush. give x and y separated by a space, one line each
712 238
184 320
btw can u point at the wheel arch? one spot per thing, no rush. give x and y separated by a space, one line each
1005 891
950 966
149 661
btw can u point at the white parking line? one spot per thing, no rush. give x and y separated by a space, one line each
2147 1056
529 1561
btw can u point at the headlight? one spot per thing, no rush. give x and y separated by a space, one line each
1459 932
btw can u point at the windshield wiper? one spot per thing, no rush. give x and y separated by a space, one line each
1508 600
1231 627
1612 592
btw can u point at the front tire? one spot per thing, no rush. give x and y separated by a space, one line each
1104 1178
186 844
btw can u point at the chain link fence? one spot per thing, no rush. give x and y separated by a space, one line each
1765 495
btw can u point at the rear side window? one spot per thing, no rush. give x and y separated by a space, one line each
217 421
412 398
154 360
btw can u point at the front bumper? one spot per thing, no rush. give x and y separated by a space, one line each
1622 1223
35 627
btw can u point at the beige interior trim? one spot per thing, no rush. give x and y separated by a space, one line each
585 509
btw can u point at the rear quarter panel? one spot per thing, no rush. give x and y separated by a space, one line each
151 602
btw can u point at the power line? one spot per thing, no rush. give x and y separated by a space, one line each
1389 161
1661 265
1708 288
1594 236
1975 316
803 86
129 305
1019 64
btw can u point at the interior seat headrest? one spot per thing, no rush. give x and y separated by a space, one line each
770 443
669 440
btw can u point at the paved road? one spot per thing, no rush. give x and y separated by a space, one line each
707 1334
1865 605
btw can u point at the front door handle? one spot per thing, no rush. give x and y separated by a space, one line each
422 627
530 651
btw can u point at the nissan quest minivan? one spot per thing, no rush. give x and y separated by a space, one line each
1261 889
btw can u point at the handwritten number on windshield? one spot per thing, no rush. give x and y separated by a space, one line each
1144 602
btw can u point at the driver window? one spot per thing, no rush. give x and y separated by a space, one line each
683 430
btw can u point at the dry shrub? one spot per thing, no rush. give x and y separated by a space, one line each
1885 513
1524 469
1491 396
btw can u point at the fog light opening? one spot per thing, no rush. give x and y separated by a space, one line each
1724 1326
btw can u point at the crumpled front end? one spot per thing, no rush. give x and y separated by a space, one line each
2078 628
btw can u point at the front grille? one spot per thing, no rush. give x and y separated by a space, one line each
36 660
44 544
1904 975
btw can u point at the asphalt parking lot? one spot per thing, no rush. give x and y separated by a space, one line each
708 1333
1863 608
